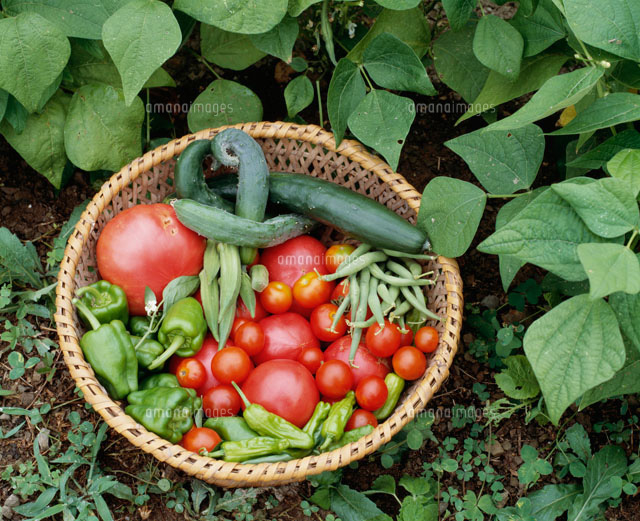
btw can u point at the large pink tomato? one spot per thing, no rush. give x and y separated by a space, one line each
367 364
290 260
285 336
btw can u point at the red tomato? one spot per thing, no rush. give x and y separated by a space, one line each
297 308
285 388
243 312
383 342
205 355
250 337
407 338
334 379
409 363
427 339
360 418
231 364
311 358
237 322
146 245
198 296
222 400
336 254
199 438
276 297
340 291
288 261
330 401
284 337
371 393
367 364
191 373
310 291
321 320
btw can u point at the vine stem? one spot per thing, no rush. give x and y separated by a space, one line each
148 122
632 238
366 77
201 59
507 196
319 103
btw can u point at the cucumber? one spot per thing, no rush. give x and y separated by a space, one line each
220 225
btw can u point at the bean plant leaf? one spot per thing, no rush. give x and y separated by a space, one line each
617 29
498 46
458 12
573 348
228 50
597 157
503 161
625 165
41 143
398 5
450 212
607 206
296 7
101 131
278 41
236 16
4 100
551 501
541 29
382 121
224 102
557 93
627 310
33 52
346 91
610 268
517 380
140 37
15 114
298 95
392 64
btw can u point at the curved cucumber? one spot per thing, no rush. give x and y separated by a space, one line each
214 223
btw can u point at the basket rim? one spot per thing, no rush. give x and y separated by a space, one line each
218 471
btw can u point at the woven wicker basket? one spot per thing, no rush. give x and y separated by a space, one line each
288 148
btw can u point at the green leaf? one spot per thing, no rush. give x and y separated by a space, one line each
140 37
224 102
551 501
418 509
392 64
610 268
33 52
541 29
614 109
627 310
228 50
625 165
556 93
321 497
80 18
497 89
236 16
611 25
573 348
607 206
384 483
41 144
159 78
297 6
597 157
498 46
4 100
346 91
503 161
627 73
352 505
415 439
382 121
179 288
450 213
457 65
416 486
458 12
410 26
398 5
102 507
517 380
579 441
92 65
16 114
18 262
39 506
298 95
101 132
278 41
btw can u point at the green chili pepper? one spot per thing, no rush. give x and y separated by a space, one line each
147 350
339 414
314 425
159 380
138 326
182 331
109 351
395 385
106 301
231 428
349 437
243 450
266 423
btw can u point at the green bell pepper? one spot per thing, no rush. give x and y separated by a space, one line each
159 380
146 351
106 301
182 331
138 326
167 411
109 351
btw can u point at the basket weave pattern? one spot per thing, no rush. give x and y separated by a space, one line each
288 148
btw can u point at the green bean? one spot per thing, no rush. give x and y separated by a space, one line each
402 308
356 265
247 294
383 293
402 326
340 312
354 293
394 293
418 303
400 270
377 272
361 313
420 256
374 302
414 267
363 325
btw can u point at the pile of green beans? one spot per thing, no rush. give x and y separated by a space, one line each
387 282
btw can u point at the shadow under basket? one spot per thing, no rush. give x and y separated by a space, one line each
288 147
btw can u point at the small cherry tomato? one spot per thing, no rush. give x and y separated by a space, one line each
340 291
336 254
360 418
238 321
191 373
383 342
409 363
371 393
222 400
243 312
276 298
250 337
321 320
427 339
311 358
407 338
310 291
334 379
199 438
231 364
